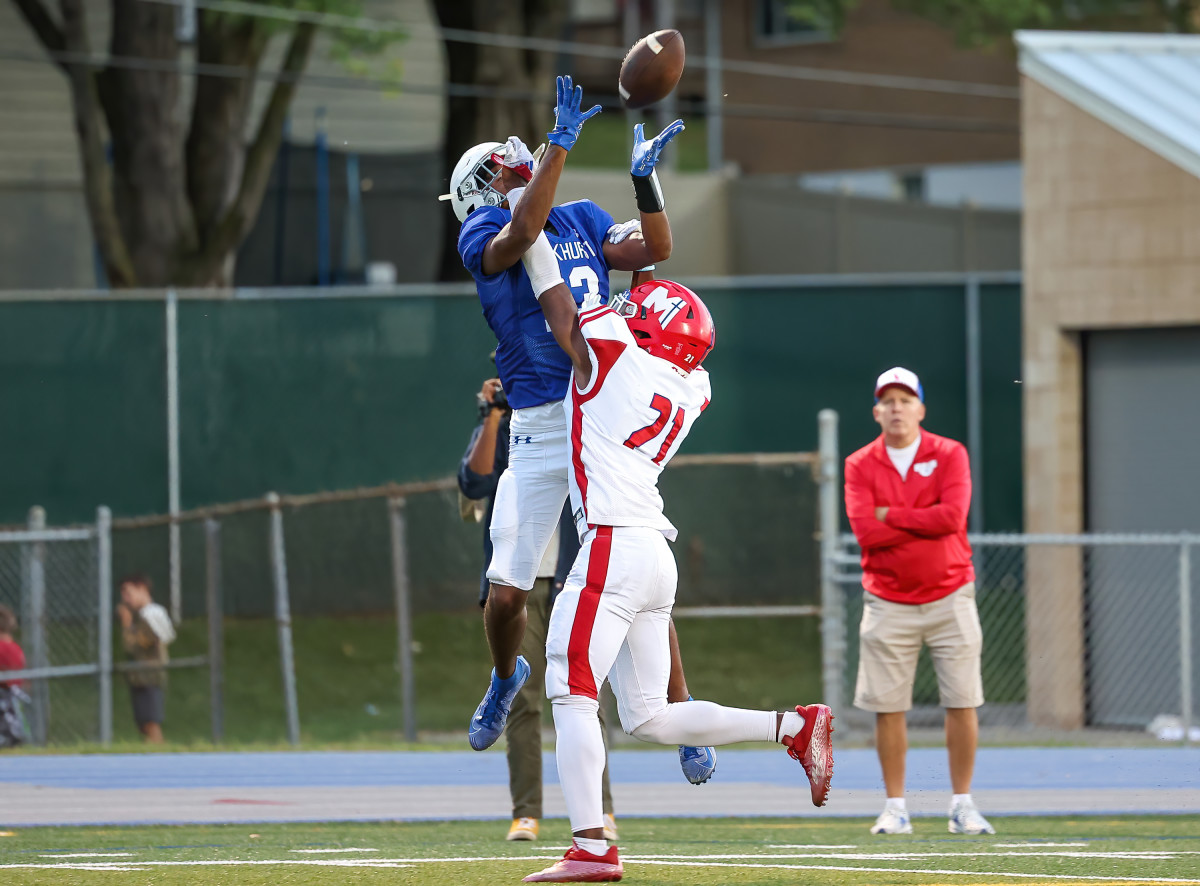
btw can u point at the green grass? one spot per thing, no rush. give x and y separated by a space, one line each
723 851
607 141
348 688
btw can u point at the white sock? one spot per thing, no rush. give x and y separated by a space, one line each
896 803
792 723
702 723
580 753
596 847
959 798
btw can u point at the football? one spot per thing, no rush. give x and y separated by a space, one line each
651 69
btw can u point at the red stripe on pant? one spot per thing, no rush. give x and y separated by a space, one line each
579 664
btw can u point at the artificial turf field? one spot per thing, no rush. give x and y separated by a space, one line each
1060 850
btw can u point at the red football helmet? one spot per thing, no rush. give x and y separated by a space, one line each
669 321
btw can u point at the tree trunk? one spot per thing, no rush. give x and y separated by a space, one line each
471 120
82 79
142 108
213 265
460 121
216 142
165 211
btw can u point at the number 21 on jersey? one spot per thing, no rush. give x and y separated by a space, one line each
642 436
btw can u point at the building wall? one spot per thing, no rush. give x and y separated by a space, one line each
876 40
778 227
1111 240
788 125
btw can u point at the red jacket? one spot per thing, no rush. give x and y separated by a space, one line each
11 659
919 553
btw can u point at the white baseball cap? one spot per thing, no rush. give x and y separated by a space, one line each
898 376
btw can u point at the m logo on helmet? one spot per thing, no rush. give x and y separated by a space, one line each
659 302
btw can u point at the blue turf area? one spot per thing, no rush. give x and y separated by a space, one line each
996 768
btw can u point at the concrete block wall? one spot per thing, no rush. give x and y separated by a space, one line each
1111 240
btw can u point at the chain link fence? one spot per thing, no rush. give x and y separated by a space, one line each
1080 632
356 613
56 582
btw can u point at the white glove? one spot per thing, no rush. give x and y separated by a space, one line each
623 231
517 157
591 300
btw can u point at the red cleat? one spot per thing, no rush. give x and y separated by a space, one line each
578 866
813 747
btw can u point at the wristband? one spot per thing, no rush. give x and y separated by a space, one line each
648 192
647 268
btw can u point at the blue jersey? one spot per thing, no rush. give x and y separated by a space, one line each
532 367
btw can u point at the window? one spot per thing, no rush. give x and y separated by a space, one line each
791 21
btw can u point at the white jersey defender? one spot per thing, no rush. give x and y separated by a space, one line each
643 387
628 422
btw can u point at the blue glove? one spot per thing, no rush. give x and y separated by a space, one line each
568 119
646 153
698 764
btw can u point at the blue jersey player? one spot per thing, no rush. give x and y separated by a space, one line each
505 201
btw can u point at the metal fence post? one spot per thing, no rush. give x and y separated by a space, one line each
974 400
105 602
408 703
173 549
1185 636
712 84
216 628
833 608
34 620
283 618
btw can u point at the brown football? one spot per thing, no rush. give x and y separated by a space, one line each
651 69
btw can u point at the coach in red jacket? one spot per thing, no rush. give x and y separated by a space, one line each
907 495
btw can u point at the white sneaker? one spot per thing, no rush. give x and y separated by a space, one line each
892 821
610 827
966 819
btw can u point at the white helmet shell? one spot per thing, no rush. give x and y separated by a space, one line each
470 183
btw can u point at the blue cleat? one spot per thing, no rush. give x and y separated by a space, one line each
492 713
698 764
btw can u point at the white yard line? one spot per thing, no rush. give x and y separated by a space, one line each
1136 854
88 855
865 870
715 861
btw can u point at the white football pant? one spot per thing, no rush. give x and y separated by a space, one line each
612 620
530 494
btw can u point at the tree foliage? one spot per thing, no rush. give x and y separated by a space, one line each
172 192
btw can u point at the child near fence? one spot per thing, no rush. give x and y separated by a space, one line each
146 631
12 658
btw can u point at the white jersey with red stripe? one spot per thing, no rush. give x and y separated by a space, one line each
625 426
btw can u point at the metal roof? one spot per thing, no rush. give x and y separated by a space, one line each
1146 86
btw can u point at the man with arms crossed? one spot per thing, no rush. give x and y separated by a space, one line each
907 496
506 201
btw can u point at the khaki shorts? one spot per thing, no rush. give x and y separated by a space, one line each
890 638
